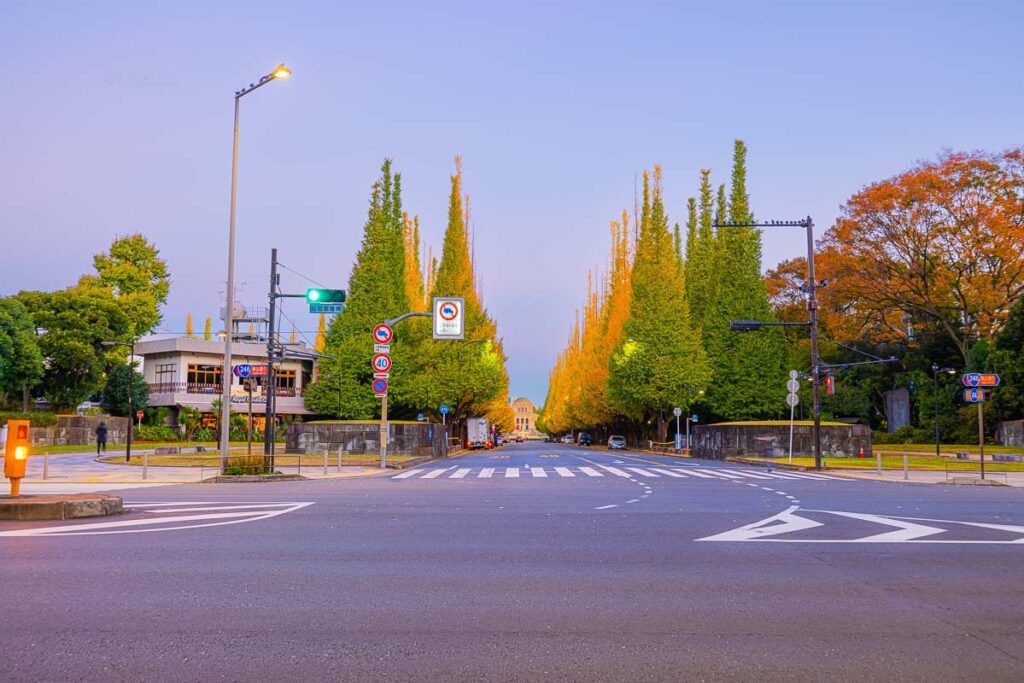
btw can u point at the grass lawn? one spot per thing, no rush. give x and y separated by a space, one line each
212 459
86 448
944 448
890 462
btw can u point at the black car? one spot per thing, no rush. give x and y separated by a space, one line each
583 439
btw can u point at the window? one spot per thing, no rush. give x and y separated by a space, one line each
203 377
165 373
285 382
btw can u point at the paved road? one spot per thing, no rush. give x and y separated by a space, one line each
584 565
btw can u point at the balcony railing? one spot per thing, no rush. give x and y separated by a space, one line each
209 389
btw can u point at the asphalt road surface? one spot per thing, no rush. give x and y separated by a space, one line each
531 562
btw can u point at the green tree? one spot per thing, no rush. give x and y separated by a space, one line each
115 394
72 325
1007 360
702 271
376 292
132 273
659 363
749 369
21 362
466 375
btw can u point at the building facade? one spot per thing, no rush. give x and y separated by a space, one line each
525 418
185 371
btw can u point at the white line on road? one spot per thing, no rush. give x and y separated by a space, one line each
668 473
459 473
590 472
564 471
720 473
511 472
486 473
538 472
750 475
407 473
694 473
616 471
606 507
436 472
642 472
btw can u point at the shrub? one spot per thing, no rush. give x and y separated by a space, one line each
37 419
155 433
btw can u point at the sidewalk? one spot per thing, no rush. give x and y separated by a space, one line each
84 468
930 476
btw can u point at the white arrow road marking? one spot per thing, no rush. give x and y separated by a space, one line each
783 523
907 531
251 512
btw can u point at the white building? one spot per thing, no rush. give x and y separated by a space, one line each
185 371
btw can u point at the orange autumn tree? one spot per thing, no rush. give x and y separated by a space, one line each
940 244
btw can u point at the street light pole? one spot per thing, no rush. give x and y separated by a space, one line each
279 72
131 393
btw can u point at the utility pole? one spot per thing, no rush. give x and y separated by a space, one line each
269 381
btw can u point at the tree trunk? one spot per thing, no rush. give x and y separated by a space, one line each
24 398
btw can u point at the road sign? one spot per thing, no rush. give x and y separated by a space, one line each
448 317
382 348
693 418
329 309
383 334
974 395
242 370
679 440
793 385
444 409
381 362
792 400
139 414
793 374
381 375
380 386
677 411
977 379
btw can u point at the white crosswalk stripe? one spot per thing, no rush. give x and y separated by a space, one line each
626 472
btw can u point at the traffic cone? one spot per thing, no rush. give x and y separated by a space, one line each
861 452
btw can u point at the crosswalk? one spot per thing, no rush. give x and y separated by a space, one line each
624 471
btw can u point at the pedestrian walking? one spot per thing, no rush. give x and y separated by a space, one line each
101 438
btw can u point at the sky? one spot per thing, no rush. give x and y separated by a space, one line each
117 117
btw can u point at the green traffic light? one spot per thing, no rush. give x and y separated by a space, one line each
313 294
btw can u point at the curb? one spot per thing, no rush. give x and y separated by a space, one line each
72 506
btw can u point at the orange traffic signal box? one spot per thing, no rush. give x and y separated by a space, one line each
16 453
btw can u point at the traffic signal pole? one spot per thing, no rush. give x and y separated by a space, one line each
812 319
268 387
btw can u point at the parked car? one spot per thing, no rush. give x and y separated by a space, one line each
519 438
616 443
567 438
583 439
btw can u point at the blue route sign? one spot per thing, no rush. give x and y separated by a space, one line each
444 409
978 379
330 309
242 370
974 395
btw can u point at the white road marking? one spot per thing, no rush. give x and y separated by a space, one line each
906 530
774 474
642 472
407 473
538 472
749 475
720 473
783 523
694 473
668 473
635 500
459 473
616 471
590 472
486 473
606 507
511 472
564 471
436 472
130 526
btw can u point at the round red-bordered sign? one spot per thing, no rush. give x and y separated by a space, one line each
383 334
381 362
449 310
380 386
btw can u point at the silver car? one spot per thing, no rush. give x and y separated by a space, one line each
616 443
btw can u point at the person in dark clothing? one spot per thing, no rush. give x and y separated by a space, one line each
101 438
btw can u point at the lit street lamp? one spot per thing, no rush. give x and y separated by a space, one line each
131 393
279 72
935 400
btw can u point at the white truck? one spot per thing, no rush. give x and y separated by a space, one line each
478 433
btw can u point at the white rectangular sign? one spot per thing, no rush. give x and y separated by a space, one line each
382 348
449 317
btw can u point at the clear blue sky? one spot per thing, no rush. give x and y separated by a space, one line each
116 117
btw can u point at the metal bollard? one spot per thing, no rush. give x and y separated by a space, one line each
46 464
906 469
339 459
145 464
327 452
878 462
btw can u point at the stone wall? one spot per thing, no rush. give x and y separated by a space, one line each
80 430
1010 433
771 439
357 438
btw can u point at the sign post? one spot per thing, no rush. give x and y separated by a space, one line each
689 419
792 399
677 412
449 318
975 393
